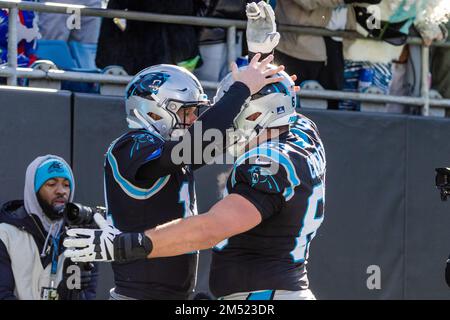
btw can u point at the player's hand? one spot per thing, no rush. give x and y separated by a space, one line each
256 75
106 244
294 78
262 35
84 245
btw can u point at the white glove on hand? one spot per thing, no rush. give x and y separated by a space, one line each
262 35
84 245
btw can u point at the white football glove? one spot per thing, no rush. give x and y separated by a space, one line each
262 35
84 245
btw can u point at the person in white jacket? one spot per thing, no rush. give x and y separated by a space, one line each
32 266
381 65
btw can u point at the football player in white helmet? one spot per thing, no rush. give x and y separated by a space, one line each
161 104
163 98
261 230
273 106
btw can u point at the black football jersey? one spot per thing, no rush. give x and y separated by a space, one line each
285 180
137 205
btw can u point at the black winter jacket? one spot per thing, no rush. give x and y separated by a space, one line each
144 44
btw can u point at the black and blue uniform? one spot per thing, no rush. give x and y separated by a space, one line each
285 180
137 205
144 188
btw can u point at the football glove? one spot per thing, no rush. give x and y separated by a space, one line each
105 244
262 35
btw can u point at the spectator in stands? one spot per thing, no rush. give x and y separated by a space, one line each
212 40
55 26
369 64
440 69
32 266
27 34
136 45
407 72
313 57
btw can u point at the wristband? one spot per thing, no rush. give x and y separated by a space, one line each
131 246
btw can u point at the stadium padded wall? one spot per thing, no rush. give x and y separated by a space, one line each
98 120
382 208
364 208
427 222
32 123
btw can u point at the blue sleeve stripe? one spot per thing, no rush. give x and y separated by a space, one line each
154 155
304 140
277 157
130 189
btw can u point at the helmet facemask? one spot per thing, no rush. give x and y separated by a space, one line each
181 122
273 106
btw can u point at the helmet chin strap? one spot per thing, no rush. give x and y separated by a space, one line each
180 128
158 100
239 147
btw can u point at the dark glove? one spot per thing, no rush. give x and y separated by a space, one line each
362 1
86 275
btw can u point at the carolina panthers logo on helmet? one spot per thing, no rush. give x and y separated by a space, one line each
259 175
147 84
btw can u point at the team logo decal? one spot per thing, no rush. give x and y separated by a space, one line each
150 82
280 110
140 140
262 176
55 167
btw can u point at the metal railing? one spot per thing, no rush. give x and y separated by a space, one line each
12 72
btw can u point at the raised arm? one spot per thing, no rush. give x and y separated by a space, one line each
220 117
262 35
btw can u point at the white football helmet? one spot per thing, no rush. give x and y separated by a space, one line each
275 103
162 90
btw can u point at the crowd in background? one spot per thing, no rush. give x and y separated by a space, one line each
388 66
